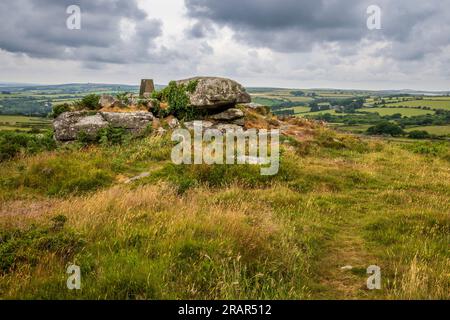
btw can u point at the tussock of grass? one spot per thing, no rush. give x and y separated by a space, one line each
19 248
417 245
59 174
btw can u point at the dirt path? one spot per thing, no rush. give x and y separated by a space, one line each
345 249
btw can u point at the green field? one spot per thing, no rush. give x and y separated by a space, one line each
266 101
276 96
406 112
299 99
437 130
23 123
354 129
37 101
300 109
320 112
415 111
335 95
435 103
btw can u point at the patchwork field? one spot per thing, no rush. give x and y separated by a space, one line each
318 113
406 112
23 123
355 129
437 130
435 103
300 109
38 100
425 113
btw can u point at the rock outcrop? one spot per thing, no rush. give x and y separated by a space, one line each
205 125
134 122
258 107
216 93
215 98
69 125
228 115
106 101
110 102
230 119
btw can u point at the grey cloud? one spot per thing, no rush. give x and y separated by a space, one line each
285 25
196 31
415 28
200 30
38 29
303 40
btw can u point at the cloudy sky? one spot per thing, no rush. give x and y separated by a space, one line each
283 43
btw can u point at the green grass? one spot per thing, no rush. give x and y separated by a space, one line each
23 123
299 109
28 246
362 128
267 101
22 119
335 95
225 232
406 112
298 99
437 130
60 175
320 112
433 103
440 98
13 128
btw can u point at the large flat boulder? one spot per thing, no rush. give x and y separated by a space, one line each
133 121
69 125
90 125
216 93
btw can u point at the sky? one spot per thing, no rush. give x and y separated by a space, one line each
265 43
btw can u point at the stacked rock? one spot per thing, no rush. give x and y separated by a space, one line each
217 97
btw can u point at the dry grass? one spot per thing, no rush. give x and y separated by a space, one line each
239 246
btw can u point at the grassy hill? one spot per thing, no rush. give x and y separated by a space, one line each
225 232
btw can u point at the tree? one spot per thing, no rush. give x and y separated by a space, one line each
59 109
89 102
386 128
419 134
314 107
297 93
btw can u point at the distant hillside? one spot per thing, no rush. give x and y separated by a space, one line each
90 87
37 100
